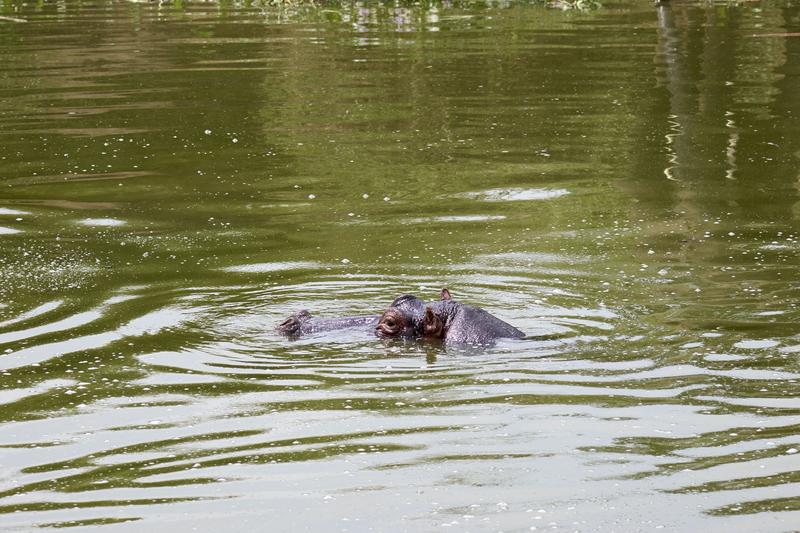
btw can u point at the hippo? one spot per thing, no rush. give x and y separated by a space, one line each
409 317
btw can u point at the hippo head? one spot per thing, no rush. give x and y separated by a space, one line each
402 318
410 317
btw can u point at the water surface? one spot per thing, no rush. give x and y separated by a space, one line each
622 184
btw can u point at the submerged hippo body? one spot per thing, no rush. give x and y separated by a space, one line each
302 323
409 317
458 323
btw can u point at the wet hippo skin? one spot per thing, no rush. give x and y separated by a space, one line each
409 317
447 320
302 323
403 319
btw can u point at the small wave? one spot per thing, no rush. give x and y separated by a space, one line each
762 344
456 218
102 222
256 268
7 211
514 195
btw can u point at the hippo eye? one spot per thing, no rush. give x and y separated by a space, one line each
390 322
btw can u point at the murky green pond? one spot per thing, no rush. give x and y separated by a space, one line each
623 184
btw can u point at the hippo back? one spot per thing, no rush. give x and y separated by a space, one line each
472 325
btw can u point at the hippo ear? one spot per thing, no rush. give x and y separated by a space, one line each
446 294
432 325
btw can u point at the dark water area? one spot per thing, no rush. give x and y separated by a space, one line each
622 184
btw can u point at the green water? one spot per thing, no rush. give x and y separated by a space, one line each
622 184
